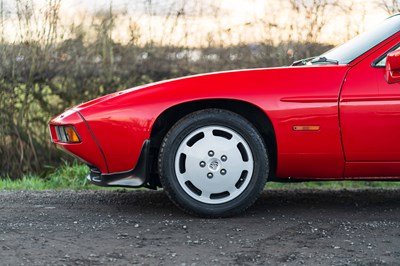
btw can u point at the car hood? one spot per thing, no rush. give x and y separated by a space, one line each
168 82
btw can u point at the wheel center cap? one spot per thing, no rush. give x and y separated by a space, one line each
214 165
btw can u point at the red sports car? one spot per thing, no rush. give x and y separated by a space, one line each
212 141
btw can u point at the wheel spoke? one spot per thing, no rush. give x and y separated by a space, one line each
205 195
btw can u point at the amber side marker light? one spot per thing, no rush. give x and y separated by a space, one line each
306 128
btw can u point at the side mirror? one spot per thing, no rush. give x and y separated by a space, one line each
392 74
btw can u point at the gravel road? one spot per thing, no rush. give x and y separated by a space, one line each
285 227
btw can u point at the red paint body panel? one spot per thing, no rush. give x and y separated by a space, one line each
372 170
370 113
356 110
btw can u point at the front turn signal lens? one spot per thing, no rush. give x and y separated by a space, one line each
72 136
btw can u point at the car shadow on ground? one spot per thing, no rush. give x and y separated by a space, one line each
270 201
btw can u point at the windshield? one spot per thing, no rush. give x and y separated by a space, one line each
352 49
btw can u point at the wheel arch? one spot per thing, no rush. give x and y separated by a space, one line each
250 111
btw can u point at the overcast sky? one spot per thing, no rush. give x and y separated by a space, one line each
240 17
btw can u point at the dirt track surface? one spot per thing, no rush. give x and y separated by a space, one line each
297 227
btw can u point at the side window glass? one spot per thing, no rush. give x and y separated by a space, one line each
382 63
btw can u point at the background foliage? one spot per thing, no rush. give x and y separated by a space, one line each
49 68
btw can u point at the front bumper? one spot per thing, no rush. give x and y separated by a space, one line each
88 149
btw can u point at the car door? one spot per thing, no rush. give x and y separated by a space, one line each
370 112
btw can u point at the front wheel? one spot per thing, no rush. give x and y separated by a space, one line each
213 163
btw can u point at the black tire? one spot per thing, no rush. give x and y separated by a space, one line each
220 129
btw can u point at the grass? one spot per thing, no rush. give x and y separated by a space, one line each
73 176
334 185
68 176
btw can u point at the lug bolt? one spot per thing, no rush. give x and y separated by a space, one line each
210 175
224 158
211 153
202 164
223 172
